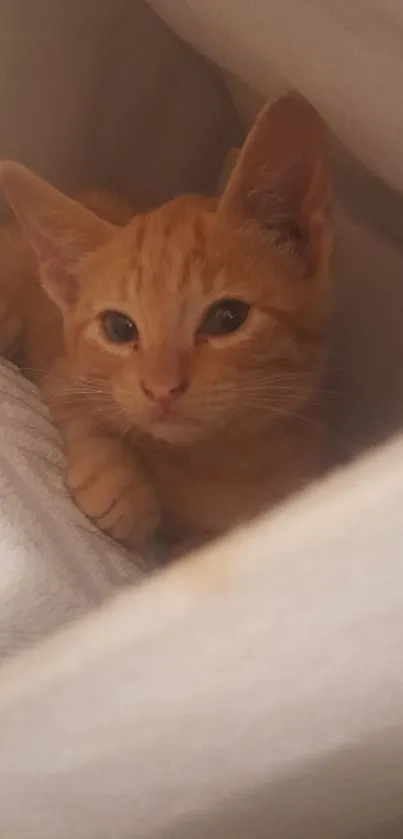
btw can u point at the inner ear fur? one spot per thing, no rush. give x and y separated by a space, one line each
282 180
59 229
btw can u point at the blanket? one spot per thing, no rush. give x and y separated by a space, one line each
55 565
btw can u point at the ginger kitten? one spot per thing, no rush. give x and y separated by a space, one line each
181 355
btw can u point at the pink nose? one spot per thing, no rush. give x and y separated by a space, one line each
164 394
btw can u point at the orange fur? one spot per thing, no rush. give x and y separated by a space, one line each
179 427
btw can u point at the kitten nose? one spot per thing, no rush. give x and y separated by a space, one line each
164 394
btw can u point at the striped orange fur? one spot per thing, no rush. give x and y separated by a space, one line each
180 354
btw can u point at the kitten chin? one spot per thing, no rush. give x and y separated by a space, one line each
175 434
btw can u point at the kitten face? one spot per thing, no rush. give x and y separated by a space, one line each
196 319
189 326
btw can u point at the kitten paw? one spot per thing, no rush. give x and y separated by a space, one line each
109 486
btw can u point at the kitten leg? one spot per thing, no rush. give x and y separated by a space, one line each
103 473
110 487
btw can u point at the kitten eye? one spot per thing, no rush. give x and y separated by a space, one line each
224 317
119 328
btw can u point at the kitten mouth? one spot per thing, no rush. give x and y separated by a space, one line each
162 418
163 422
163 415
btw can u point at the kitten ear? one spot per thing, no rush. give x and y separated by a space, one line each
60 230
282 181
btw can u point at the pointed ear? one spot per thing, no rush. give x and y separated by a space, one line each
281 182
60 230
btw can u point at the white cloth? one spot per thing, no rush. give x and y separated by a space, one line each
54 564
256 691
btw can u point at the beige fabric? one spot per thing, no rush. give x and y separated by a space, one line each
103 93
346 57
